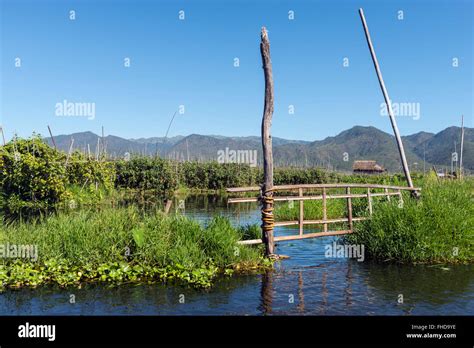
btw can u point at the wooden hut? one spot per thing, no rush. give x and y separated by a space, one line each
367 167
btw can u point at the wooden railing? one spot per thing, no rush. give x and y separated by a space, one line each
388 192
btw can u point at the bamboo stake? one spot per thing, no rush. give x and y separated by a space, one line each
103 144
369 199
169 202
436 172
267 188
349 208
387 101
97 150
301 212
52 138
187 149
3 135
69 152
166 135
325 217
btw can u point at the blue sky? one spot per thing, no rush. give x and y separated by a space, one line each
191 62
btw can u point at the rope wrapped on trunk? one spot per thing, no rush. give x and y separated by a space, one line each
268 218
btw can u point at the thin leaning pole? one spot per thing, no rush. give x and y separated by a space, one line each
268 219
406 170
52 138
3 135
166 135
462 145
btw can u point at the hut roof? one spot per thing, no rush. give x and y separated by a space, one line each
367 166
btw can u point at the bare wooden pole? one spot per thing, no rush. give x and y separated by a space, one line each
325 216
369 199
267 188
187 149
69 152
103 144
301 217
169 202
52 138
166 135
3 135
97 150
349 208
387 101
462 145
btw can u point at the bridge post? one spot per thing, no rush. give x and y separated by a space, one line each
325 213
301 219
349 207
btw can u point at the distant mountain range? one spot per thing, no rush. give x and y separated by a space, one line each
337 153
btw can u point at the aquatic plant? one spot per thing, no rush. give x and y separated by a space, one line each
126 244
439 227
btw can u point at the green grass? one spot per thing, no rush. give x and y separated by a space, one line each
437 228
126 245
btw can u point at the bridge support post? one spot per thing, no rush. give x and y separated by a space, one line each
325 212
301 218
349 208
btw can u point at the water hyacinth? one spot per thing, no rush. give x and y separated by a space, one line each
126 245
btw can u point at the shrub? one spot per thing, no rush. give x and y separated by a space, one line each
145 173
32 177
88 173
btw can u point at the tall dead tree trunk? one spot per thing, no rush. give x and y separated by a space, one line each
267 187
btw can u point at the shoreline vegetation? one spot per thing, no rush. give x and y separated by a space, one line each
436 228
126 245
84 215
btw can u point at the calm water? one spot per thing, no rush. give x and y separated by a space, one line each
307 283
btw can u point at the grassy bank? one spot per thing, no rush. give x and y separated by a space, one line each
435 229
124 245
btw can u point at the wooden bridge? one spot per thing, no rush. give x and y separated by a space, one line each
267 190
324 193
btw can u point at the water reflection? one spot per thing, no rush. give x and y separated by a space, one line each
354 288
